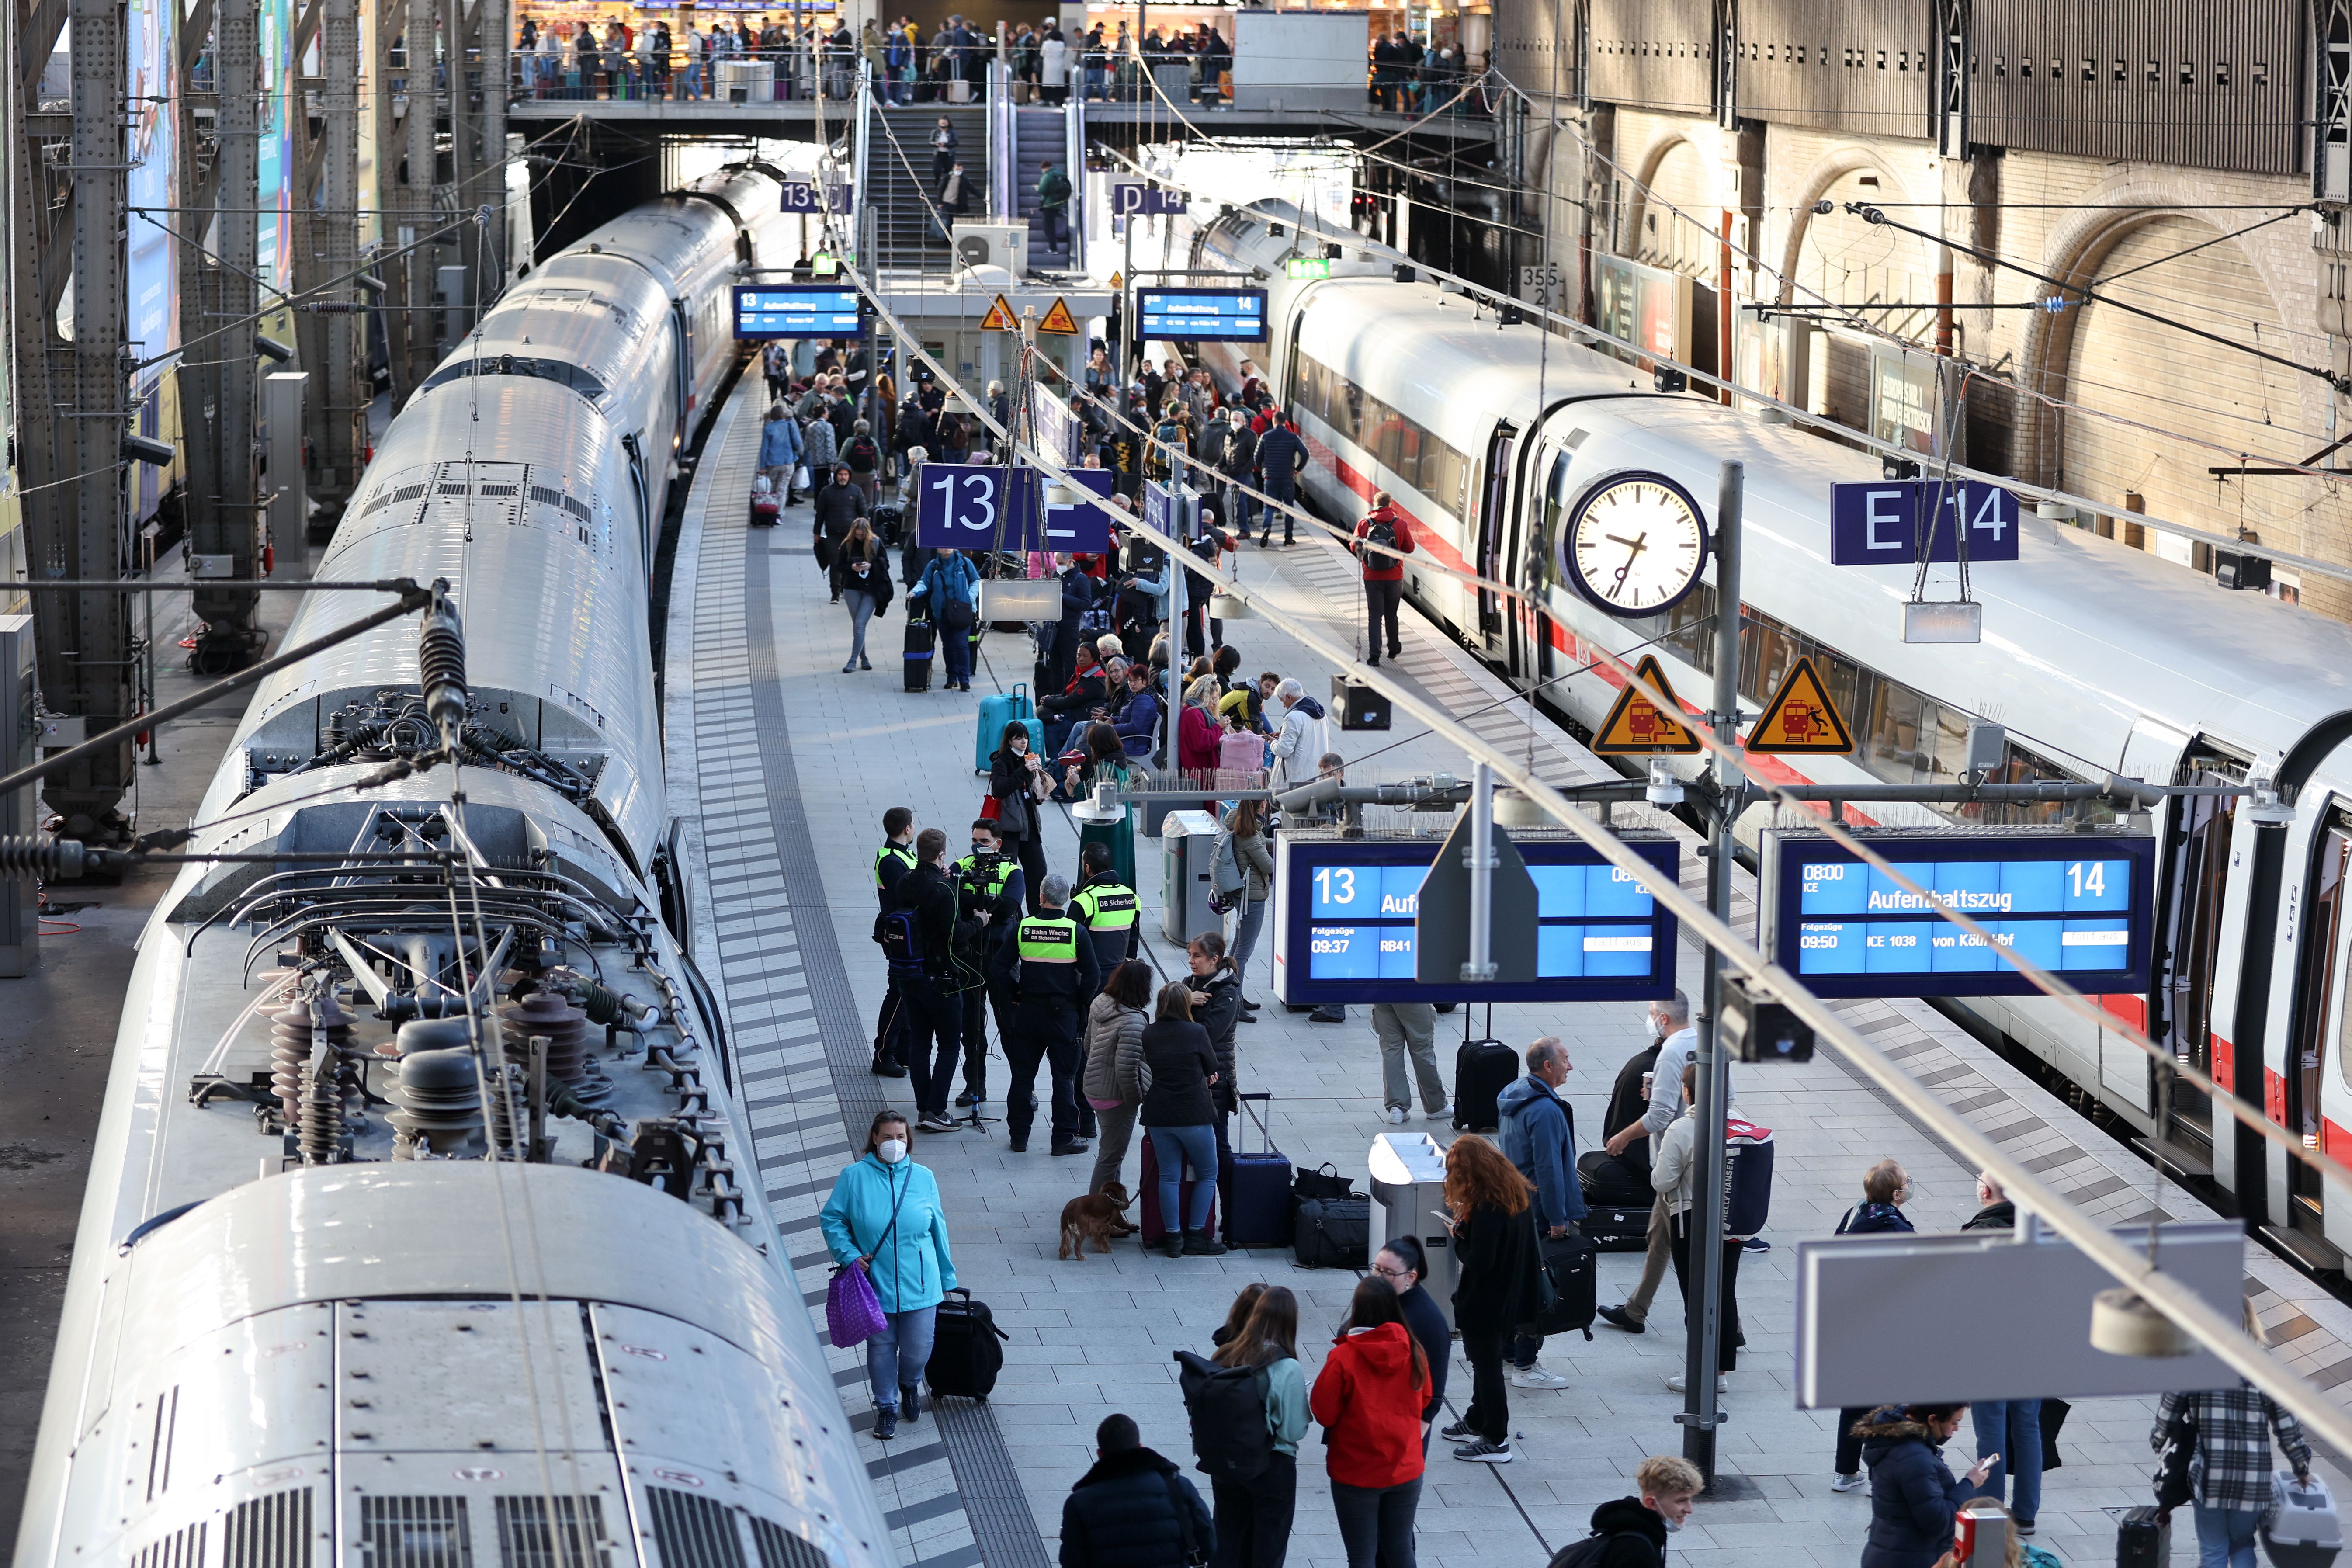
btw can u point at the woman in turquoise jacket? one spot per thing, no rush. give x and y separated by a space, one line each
885 1216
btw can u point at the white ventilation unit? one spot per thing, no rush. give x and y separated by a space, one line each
1004 245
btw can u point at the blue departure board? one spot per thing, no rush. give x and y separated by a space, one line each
767 310
1346 908
1201 315
2076 904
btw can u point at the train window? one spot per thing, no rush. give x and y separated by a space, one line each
1894 733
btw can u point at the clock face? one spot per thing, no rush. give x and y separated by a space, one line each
1635 544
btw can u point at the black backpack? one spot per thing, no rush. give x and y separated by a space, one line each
1227 1406
1586 1553
1383 532
901 936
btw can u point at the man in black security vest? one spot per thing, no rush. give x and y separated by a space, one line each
988 880
893 860
1051 965
1108 909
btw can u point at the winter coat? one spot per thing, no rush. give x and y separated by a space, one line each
1913 1497
1538 1136
1426 1319
1181 1060
1873 1219
1498 1288
1122 1514
821 445
1379 568
875 582
1280 455
780 444
2001 1215
1196 738
837 506
1369 1410
1305 736
910 1268
1114 1050
1057 66
1626 1105
954 579
1255 858
1219 1015
1139 724
1637 1535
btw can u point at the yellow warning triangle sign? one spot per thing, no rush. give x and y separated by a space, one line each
1637 725
1801 717
1058 318
999 318
1118 281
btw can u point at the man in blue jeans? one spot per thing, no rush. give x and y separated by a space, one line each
2013 1428
950 589
1538 1136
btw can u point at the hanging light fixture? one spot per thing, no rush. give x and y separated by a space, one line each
1513 809
2123 1322
1224 606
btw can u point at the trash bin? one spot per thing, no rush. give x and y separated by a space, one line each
1187 840
1408 1172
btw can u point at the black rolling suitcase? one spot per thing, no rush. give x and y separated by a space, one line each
1617 1202
965 1353
920 638
1482 1071
1574 1300
2143 1539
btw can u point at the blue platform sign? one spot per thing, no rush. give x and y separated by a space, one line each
2077 904
1345 911
1879 525
1134 198
803 196
771 311
1201 315
962 505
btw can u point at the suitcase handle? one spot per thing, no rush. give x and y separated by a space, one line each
1265 1134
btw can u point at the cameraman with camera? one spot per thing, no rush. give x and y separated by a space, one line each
1383 574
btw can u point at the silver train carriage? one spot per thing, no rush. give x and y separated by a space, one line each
310 1320
2096 657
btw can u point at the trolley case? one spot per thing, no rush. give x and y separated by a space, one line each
765 506
920 638
1616 1204
1482 1071
2143 1539
1257 1208
995 713
2301 1530
1154 1230
965 1354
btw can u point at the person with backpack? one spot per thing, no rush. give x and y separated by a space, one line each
1133 1508
918 937
1631 1531
1884 1187
1385 526
1054 203
1369 1398
1538 1138
1247 1420
885 1217
1913 1497
1499 1288
949 590
863 455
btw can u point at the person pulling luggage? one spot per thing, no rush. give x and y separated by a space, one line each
1538 1136
885 1217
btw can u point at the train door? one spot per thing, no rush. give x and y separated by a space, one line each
2314 1031
1494 548
2189 1009
641 492
684 325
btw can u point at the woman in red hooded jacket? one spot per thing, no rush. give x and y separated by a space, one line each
1369 1398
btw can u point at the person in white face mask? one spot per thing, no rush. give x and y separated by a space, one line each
885 1216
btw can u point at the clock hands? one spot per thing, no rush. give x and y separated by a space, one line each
1633 548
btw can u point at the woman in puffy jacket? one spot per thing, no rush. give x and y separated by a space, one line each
885 1216
1913 1497
1368 1398
1111 1083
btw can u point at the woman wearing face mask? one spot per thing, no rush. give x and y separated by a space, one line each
885 1216
1016 771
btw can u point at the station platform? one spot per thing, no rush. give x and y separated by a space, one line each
780 767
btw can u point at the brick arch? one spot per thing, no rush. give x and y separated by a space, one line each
2078 246
1654 158
1832 166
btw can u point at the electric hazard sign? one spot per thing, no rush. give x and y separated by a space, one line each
1637 726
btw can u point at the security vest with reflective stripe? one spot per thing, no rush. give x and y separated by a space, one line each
1110 911
903 854
1048 939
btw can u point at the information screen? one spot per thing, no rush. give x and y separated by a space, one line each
1202 315
1348 909
2076 904
768 310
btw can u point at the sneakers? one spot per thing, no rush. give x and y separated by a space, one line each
1853 1483
938 1122
910 1403
1619 1318
1756 1244
1677 1382
1396 1115
1327 1015
886 1424
1458 1431
1483 1453
2024 1527
969 1099
1201 1244
1442 1113
1537 1377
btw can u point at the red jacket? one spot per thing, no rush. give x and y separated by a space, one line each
1364 1396
1196 738
1379 568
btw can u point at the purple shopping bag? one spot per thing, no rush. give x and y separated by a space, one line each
853 1313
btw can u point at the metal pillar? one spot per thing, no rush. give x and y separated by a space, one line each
219 251
1701 1414
475 38
415 203
72 395
341 429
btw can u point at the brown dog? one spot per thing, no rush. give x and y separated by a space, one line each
1097 1217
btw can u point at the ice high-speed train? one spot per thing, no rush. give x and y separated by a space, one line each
2096 657
308 1323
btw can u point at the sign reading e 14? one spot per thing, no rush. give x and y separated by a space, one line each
1880 524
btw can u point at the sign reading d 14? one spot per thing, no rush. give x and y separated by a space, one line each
1879 525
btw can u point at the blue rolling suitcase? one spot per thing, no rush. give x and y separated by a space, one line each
995 713
1257 1208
